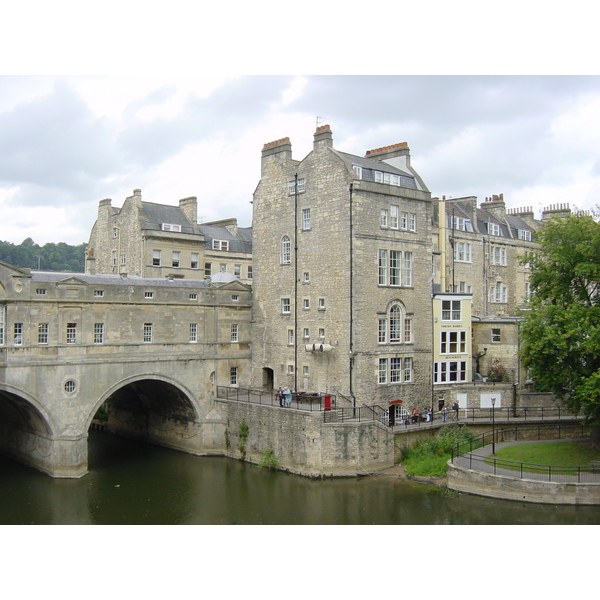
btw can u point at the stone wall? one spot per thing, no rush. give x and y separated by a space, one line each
523 490
302 443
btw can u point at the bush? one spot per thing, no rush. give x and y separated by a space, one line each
428 458
267 459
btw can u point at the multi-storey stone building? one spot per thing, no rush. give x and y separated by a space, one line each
157 240
343 275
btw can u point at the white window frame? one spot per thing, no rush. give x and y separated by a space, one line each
451 310
394 216
382 368
41 291
98 333
450 371
463 252
383 217
195 260
408 369
382 266
148 333
408 269
71 333
148 295
156 258
498 255
453 341
305 218
43 333
496 335
175 259
193 339
233 375
171 227
286 306
494 229
98 293
286 250
234 333
396 268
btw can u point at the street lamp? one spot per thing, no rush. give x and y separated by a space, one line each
493 426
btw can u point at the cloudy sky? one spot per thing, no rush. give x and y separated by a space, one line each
181 108
68 142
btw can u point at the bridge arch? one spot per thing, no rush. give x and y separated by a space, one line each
153 408
26 429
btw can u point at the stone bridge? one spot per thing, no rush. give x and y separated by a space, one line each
152 351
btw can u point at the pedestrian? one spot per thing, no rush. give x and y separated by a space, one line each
280 396
430 415
287 394
455 409
444 414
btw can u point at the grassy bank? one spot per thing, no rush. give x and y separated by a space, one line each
428 458
559 454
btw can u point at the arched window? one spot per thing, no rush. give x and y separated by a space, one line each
395 324
286 250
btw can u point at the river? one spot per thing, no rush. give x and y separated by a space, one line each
140 484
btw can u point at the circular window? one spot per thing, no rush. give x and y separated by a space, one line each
70 386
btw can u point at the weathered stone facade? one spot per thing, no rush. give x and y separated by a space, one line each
342 251
154 350
157 240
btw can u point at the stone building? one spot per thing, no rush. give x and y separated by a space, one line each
343 273
157 240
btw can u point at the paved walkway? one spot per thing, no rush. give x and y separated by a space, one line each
476 462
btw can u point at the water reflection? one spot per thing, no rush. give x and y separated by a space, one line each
133 483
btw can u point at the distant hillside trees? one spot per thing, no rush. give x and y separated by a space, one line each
49 257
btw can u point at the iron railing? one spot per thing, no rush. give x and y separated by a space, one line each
300 401
463 454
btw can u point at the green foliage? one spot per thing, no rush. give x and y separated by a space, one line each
561 333
49 257
497 371
101 415
243 431
267 459
429 457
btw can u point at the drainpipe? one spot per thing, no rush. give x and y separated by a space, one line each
351 305
296 283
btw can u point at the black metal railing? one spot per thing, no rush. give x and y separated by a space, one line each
509 412
464 453
357 413
300 401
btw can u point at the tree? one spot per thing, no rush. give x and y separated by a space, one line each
561 332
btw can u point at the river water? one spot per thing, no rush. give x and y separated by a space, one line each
134 483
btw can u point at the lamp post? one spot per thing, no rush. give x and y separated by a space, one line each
493 425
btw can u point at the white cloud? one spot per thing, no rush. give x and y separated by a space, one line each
67 142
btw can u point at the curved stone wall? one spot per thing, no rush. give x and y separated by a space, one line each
525 490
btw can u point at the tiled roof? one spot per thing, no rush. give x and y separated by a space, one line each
58 276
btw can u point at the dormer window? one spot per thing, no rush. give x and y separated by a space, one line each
171 227
358 170
494 229
460 223
220 245
525 234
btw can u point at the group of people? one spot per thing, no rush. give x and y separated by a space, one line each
284 396
417 416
